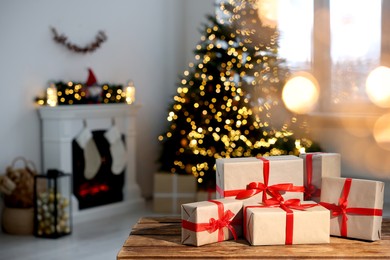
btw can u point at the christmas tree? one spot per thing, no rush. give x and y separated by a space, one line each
228 103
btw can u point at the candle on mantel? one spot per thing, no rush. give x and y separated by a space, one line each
51 94
130 93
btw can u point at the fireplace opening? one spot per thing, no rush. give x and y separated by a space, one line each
103 186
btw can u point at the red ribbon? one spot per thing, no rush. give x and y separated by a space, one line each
254 188
342 208
224 220
287 206
310 189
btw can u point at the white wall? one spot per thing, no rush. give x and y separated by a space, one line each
147 42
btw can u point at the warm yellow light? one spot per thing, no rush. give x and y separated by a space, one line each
51 94
301 92
268 12
130 93
378 86
381 131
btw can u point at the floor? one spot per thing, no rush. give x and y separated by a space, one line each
98 239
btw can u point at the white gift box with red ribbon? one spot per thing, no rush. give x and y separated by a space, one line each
356 207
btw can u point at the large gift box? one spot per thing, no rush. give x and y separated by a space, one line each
356 207
286 223
255 177
211 221
316 166
172 190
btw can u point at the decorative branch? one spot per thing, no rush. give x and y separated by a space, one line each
63 40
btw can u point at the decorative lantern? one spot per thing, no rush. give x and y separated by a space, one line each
130 92
51 94
52 204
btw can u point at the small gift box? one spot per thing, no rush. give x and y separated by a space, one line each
285 223
255 177
316 166
207 194
211 221
356 207
172 190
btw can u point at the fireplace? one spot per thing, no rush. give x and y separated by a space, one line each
105 191
103 188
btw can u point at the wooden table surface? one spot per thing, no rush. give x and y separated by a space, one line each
160 237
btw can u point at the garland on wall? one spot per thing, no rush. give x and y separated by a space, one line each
91 47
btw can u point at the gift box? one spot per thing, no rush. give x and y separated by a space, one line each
172 190
255 177
286 223
211 221
356 206
202 195
316 166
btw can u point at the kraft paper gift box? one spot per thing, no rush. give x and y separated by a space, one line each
207 222
249 175
172 190
275 225
202 195
356 206
316 166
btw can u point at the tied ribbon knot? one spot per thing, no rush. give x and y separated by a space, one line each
287 206
254 188
224 220
219 224
310 189
343 210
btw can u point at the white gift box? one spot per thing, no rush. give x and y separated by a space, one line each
316 166
356 207
275 226
207 222
235 174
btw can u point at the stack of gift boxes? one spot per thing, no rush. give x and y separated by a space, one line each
283 200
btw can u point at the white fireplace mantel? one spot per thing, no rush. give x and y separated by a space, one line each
61 124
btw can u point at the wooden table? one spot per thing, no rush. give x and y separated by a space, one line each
160 237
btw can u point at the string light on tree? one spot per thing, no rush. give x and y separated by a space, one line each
226 100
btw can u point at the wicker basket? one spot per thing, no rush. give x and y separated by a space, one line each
18 221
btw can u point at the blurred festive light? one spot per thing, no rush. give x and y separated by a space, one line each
130 93
378 86
268 12
51 94
300 93
381 131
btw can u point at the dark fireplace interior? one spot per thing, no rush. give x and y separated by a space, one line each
105 187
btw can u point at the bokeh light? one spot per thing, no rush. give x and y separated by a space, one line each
381 131
268 12
300 93
378 86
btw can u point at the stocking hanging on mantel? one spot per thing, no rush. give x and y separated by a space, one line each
91 153
117 150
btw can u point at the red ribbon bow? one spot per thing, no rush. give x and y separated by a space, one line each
287 206
219 224
254 188
342 208
224 220
310 189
